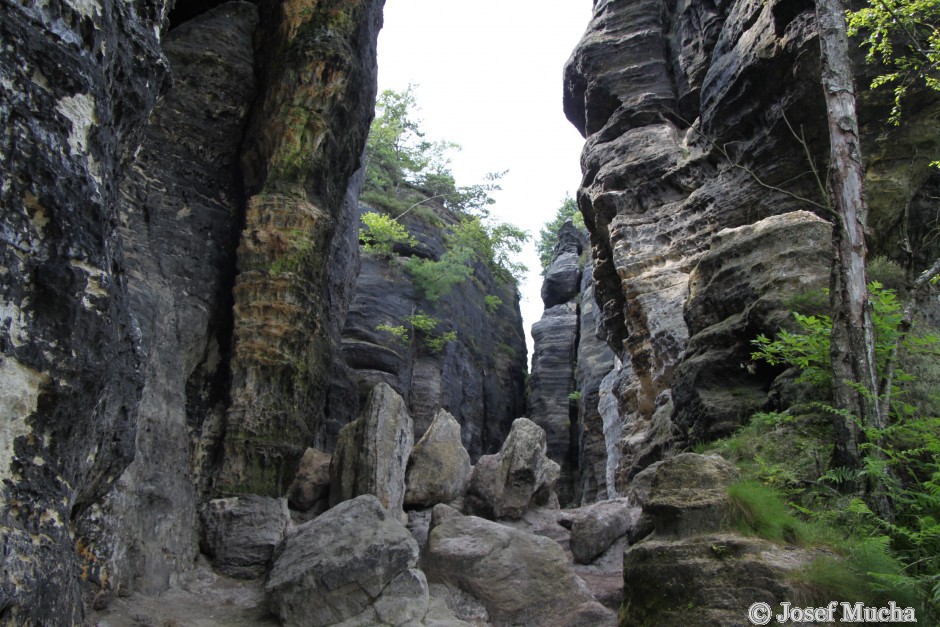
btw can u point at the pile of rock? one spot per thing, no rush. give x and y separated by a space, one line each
342 552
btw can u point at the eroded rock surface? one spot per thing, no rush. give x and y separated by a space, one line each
439 469
520 476
240 534
373 450
340 564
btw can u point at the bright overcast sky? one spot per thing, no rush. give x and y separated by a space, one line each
489 77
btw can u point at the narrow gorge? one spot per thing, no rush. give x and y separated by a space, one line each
225 399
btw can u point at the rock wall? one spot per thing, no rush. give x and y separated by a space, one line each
479 377
174 277
702 207
77 81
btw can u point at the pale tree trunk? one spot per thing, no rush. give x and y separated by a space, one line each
855 380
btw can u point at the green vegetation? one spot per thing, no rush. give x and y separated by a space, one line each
903 37
788 495
424 328
382 233
492 302
548 234
575 396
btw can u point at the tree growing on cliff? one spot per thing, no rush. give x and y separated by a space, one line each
548 234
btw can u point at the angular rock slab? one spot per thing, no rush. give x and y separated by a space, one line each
689 494
520 476
706 580
241 533
354 559
521 578
373 451
439 470
597 527
311 485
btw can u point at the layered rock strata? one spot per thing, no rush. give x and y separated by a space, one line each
478 377
77 82
698 119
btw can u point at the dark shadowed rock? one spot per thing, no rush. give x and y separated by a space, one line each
241 533
520 578
598 526
373 451
439 469
520 476
310 489
338 565
689 494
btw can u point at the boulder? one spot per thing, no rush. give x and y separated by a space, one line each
240 533
341 565
310 488
520 476
706 580
519 577
596 527
689 494
373 451
439 470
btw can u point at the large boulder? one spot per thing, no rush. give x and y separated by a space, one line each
520 476
706 580
521 578
310 488
596 527
439 470
241 533
689 495
373 452
353 560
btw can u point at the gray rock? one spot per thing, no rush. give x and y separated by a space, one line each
439 469
240 533
707 580
520 578
689 495
336 567
596 527
520 476
373 452
311 486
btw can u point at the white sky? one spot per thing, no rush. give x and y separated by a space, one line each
489 77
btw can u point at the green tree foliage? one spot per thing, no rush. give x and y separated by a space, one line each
404 169
902 457
382 233
548 235
904 37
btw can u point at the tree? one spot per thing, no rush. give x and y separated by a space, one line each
855 382
904 37
548 234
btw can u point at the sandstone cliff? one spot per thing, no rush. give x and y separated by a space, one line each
704 216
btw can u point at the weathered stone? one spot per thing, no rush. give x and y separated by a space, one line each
596 527
373 451
77 82
241 533
334 567
439 469
478 377
706 580
301 151
520 476
562 281
521 578
689 495
310 488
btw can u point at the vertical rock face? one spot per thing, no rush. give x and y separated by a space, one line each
117 265
687 109
302 148
479 377
180 208
553 403
77 80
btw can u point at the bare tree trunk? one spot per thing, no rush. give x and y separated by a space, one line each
855 380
